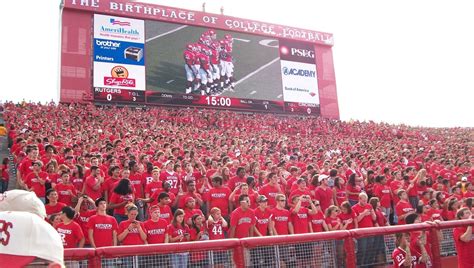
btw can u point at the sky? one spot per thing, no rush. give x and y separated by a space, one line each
403 61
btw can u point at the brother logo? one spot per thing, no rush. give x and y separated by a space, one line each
107 43
302 52
299 72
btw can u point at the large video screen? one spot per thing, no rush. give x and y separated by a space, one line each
164 63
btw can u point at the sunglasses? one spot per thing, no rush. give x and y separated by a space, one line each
282 200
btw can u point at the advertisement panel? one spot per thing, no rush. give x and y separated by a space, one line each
119 53
298 72
300 82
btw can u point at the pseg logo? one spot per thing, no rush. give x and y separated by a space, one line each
302 52
299 52
298 72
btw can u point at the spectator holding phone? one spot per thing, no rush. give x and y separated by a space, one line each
131 231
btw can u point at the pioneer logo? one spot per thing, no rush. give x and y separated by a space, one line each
107 43
302 52
298 72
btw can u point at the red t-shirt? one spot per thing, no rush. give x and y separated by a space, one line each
395 186
117 199
354 189
381 219
235 182
403 208
300 220
242 221
333 222
464 249
33 183
189 213
156 231
317 221
300 193
50 210
341 196
434 214
347 217
216 230
383 192
219 197
133 236
71 234
65 193
94 194
152 187
138 184
173 179
82 218
262 220
281 217
78 183
103 227
367 220
270 192
109 185
324 196
165 213
174 231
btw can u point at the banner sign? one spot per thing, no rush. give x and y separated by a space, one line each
184 16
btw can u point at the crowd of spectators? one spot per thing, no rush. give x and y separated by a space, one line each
127 176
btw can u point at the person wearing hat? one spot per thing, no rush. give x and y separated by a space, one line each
262 216
26 236
323 192
102 228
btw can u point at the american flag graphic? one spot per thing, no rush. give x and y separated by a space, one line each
121 23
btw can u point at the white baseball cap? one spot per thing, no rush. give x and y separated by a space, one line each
21 200
322 177
24 237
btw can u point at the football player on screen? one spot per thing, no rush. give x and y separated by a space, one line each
191 71
227 67
204 59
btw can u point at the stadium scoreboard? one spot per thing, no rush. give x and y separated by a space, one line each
138 53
